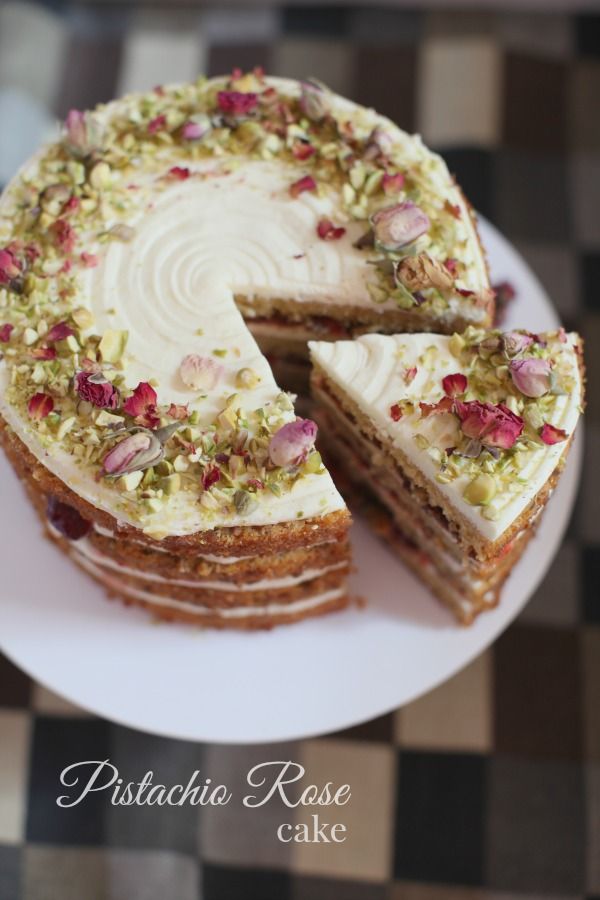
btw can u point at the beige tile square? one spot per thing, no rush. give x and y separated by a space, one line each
455 716
532 33
154 55
459 91
14 762
590 664
370 771
330 61
50 704
584 173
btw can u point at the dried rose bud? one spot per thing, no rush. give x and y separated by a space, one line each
422 271
66 519
76 132
290 445
196 128
5 332
396 226
379 143
94 388
236 103
514 342
531 376
392 184
135 453
201 373
454 385
307 183
552 435
327 231
494 426
314 102
40 406
142 405
59 332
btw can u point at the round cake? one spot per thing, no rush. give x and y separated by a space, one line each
142 255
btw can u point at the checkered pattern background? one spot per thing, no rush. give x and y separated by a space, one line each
489 787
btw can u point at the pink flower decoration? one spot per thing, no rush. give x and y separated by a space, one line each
396 226
327 231
290 445
307 183
179 173
552 435
494 426
313 102
10 267
379 144
201 373
195 131
40 406
393 184
514 342
236 103
454 385
142 405
159 123
5 332
531 376
131 454
59 332
96 390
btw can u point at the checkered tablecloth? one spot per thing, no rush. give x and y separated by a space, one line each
489 787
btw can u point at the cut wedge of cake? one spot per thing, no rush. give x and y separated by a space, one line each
460 440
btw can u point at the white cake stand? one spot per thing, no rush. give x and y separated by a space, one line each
318 676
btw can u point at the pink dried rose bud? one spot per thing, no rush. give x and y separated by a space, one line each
195 129
59 332
134 453
201 373
327 231
76 129
379 143
291 444
5 332
396 226
514 342
236 103
314 102
142 405
454 385
66 519
94 388
40 406
307 183
552 435
392 184
533 377
494 426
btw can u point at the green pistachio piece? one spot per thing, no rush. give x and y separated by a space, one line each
112 346
481 490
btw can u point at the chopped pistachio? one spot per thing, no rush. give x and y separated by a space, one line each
112 346
481 490
246 378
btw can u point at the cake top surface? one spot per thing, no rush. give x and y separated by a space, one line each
485 414
123 244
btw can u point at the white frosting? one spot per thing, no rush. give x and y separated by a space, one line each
369 371
238 612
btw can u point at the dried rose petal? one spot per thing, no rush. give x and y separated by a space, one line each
159 123
142 405
396 226
379 144
552 435
307 183
63 235
327 231
290 445
395 412
10 267
494 426
210 475
94 388
201 373
531 376
433 409
179 173
514 342
43 353
393 184
178 411
236 103
313 101
132 454
452 208
90 260
451 264
5 332
409 375
40 406
454 385
66 519
59 332
562 335
302 150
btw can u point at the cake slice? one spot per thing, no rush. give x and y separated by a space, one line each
460 441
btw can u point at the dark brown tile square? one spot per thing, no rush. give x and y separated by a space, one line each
223 58
380 730
385 79
91 75
537 674
15 685
534 103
